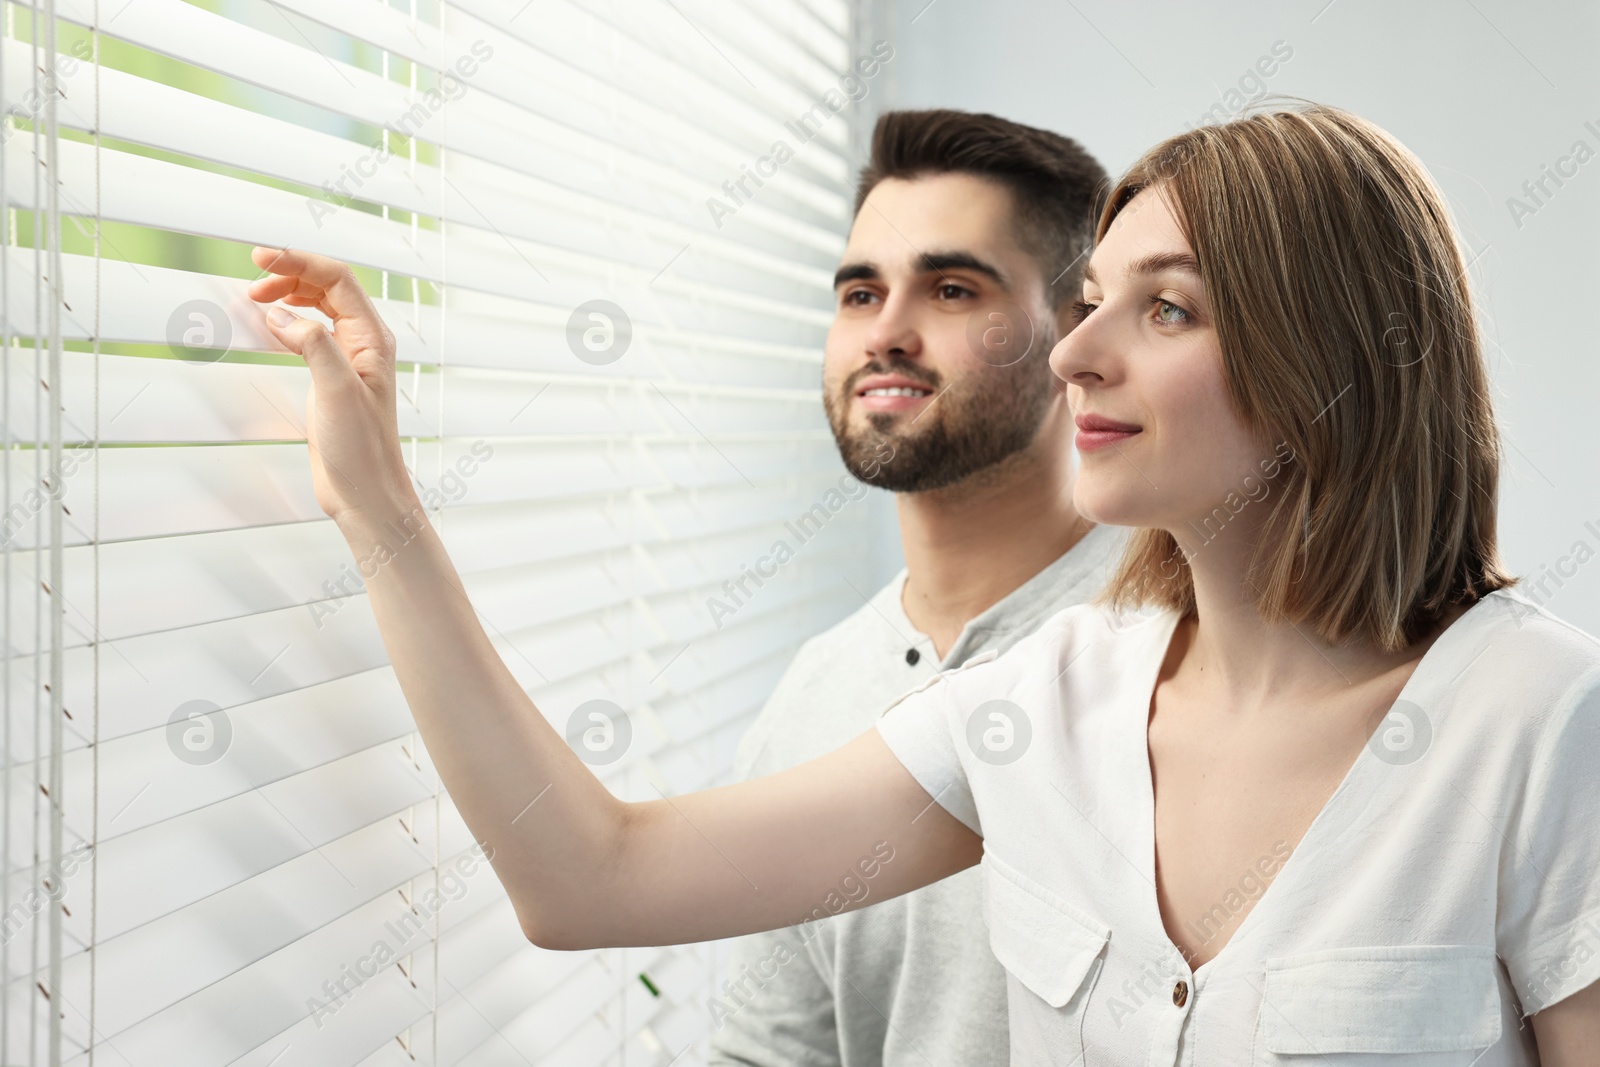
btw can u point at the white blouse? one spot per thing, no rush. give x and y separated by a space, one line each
1450 885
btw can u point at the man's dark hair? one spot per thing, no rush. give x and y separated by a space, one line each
1056 185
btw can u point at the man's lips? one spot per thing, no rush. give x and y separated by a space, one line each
891 392
1097 431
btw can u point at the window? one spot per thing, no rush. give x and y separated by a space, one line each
610 288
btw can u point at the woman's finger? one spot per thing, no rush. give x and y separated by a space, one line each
289 290
266 258
344 296
277 286
330 368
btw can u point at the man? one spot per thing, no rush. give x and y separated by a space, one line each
964 256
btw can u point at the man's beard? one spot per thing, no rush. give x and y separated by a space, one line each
991 415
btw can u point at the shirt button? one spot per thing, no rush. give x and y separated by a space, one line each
1180 994
912 655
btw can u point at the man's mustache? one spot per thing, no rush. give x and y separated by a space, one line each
905 370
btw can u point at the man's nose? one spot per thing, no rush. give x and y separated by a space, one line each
894 333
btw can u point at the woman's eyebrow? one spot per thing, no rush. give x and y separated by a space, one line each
1183 262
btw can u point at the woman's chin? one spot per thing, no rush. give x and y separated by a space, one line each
1112 505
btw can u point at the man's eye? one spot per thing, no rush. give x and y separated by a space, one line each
951 291
857 296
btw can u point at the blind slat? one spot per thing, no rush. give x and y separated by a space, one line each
139 304
290 564
160 116
155 193
250 56
148 399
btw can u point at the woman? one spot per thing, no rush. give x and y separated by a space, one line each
1311 782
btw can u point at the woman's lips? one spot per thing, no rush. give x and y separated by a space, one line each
1089 440
1097 431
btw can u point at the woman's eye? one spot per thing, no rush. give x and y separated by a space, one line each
1080 310
1168 313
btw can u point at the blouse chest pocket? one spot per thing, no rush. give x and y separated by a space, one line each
1412 1006
1052 953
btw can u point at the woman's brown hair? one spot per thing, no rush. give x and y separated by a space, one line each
1341 305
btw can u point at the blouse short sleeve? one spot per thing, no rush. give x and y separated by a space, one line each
1549 907
917 729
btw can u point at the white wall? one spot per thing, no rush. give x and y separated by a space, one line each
1484 91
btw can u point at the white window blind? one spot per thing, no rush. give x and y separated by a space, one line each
224 843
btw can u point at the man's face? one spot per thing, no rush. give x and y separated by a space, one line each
929 373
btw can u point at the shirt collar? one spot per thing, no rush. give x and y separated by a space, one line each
1074 575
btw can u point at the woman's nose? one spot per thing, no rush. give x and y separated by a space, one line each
1073 358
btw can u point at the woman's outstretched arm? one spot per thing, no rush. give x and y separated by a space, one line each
1568 1032
582 868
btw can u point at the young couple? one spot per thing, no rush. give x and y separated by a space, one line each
1306 784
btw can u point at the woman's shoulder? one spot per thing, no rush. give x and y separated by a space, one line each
1523 664
1092 622
1090 631
1520 633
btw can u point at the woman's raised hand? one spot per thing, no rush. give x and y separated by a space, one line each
351 424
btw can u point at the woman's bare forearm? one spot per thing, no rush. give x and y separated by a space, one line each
584 869
494 751
847 829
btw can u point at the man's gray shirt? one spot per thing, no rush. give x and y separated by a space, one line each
909 982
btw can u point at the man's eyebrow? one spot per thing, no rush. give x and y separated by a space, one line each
931 263
855 272
943 261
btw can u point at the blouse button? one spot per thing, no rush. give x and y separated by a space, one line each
1180 994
